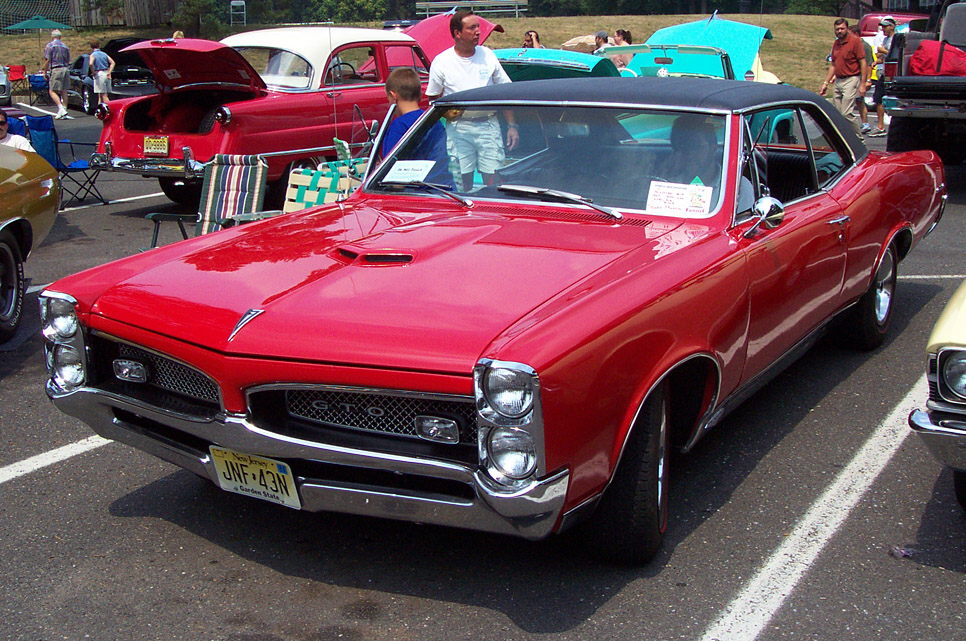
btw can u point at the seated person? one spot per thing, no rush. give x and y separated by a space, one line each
694 158
12 140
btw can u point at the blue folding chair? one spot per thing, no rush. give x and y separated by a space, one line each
16 126
78 179
39 94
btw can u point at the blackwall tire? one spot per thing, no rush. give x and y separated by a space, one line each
868 321
629 523
183 192
959 485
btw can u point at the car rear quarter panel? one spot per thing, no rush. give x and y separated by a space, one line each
886 195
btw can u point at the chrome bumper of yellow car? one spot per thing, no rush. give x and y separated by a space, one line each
945 437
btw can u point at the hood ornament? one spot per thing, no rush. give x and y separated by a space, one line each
244 320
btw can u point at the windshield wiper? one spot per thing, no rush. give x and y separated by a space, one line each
560 195
466 202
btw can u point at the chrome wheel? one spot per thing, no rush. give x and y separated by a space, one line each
885 287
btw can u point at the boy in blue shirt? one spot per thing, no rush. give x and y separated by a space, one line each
403 89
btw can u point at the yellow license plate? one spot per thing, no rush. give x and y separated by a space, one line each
262 478
155 145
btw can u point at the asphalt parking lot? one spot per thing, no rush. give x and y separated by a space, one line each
810 513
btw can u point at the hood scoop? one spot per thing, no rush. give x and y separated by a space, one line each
373 257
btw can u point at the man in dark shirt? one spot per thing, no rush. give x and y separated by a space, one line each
847 71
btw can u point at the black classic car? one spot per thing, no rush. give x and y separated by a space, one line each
130 76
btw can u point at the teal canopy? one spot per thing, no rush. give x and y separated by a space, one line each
37 22
739 39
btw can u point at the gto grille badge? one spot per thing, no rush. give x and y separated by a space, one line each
244 320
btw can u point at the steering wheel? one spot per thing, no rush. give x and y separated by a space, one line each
331 74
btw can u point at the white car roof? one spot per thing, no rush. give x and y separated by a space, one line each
312 43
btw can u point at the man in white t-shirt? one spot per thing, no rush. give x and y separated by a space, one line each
12 140
880 45
475 143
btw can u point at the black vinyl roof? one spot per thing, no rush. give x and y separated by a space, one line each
693 93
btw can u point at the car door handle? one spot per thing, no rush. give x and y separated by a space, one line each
841 220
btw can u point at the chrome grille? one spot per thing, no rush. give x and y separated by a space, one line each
376 412
171 375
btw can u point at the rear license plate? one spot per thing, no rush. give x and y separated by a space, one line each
155 145
256 476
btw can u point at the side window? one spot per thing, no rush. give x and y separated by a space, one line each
781 153
829 161
406 56
352 66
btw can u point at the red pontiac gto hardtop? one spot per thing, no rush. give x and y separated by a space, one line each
514 357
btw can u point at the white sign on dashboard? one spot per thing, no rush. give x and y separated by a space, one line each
406 171
678 199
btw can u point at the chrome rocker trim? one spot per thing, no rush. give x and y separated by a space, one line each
529 513
945 438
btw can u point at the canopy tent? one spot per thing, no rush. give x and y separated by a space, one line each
739 39
40 23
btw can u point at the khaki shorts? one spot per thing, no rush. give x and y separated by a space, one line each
102 84
476 144
58 79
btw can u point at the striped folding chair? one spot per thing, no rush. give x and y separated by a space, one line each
232 193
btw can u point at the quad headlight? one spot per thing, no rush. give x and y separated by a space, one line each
510 422
512 452
509 392
953 372
64 345
59 321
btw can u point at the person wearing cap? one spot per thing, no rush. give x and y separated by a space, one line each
847 71
600 39
476 143
881 44
56 59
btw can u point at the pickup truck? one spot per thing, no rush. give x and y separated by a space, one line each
928 111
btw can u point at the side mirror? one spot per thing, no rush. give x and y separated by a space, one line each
374 129
769 212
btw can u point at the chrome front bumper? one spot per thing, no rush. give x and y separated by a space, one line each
945 437
530 513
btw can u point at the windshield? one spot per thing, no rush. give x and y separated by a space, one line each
277 67
662 162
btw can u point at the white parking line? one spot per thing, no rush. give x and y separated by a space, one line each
24 105
35 463
745 617
932 277
113 202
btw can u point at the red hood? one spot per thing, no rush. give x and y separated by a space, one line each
430 294
434 37
189 61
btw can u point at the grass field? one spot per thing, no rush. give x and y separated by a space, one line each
796 54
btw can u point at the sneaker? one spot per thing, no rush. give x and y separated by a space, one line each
876 133
866 127
61 114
